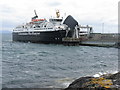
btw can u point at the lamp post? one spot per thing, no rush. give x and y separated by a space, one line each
102 32
102 27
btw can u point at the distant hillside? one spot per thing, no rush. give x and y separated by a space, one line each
5 31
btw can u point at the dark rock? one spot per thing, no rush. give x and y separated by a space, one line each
115 79
78 83
100 83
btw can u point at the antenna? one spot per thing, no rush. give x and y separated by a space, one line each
35 12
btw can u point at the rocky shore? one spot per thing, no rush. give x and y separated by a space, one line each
107 81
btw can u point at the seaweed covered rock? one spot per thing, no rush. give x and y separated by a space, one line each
107 81
115 79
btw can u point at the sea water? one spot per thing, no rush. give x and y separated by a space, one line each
31 65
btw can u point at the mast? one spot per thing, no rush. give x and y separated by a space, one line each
57 13
36 16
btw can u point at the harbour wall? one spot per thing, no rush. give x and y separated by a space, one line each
94 39
101 39
105 37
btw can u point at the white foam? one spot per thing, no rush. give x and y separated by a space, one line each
96 75
102 73
114 72
66 84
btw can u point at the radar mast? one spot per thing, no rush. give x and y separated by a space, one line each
36 16
57 13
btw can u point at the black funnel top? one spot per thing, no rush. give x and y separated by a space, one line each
71 22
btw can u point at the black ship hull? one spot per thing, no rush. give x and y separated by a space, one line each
40 36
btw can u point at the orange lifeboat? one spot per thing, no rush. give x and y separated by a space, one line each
36 20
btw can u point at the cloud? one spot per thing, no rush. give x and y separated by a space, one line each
93 12
53 4
6 9
9 24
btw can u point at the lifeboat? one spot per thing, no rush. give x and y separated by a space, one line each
36 20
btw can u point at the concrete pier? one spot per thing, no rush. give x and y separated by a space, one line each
71 41
99 39
95 39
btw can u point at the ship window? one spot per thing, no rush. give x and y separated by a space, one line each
57 20
50 28
38 26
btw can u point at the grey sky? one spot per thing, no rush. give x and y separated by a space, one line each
91 12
